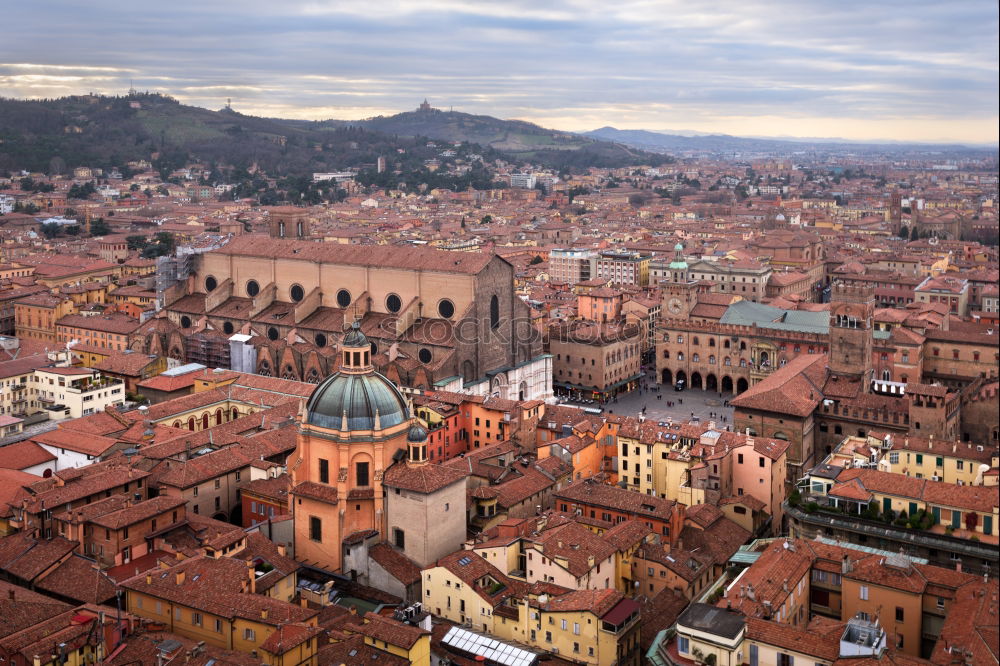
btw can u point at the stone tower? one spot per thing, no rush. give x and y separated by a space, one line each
896 212
288 222
851 310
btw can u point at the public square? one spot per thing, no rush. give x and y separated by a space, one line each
657 399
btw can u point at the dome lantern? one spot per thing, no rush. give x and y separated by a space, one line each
416 442
356 398
356 351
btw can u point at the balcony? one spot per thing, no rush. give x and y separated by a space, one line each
820 520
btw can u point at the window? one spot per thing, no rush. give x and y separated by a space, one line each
196 619
218 626
361 473
249 635
494 312
899 614
683 645
324 470
315 528
399 538
863 592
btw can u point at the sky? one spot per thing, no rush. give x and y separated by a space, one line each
883 70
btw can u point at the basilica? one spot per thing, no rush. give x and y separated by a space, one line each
357 430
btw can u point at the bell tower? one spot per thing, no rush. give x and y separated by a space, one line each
852 308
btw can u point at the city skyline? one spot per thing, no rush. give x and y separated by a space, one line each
920 72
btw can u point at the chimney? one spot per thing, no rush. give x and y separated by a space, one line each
590 561
845 566
263 613
750 593
180 577
149 579
282 550
784 585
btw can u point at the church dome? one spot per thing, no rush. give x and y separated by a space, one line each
361 397
416 434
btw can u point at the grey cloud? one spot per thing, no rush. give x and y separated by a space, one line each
536 60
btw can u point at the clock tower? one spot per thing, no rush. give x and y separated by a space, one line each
679 292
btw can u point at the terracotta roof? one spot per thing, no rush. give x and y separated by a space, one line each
421 478
95 445
393 256
398 565
594 493
388 630
217 586
793 389
23 454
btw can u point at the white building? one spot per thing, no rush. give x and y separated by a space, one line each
525 180
75 392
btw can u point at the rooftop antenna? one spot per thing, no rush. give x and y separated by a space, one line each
131 88
229 103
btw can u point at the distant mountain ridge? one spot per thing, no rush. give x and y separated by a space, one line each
691 141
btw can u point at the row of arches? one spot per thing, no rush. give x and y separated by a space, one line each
208 419
708 382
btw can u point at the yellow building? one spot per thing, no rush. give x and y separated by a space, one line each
409 642
963 463
216 601
588 626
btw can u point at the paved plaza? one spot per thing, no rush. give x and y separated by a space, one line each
704 405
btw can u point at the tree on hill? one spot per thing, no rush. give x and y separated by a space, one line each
98 227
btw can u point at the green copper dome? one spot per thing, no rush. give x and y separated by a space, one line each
678 264
360 396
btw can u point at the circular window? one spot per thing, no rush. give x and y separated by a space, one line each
343 298
228 327
320 340
374 347
297 293
272 333
446 308
252 288
425 355
211 283
185 322
393 303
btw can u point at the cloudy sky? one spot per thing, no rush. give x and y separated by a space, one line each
913 70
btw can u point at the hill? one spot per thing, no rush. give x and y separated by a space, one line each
724 143
93 130
517 139
110 131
